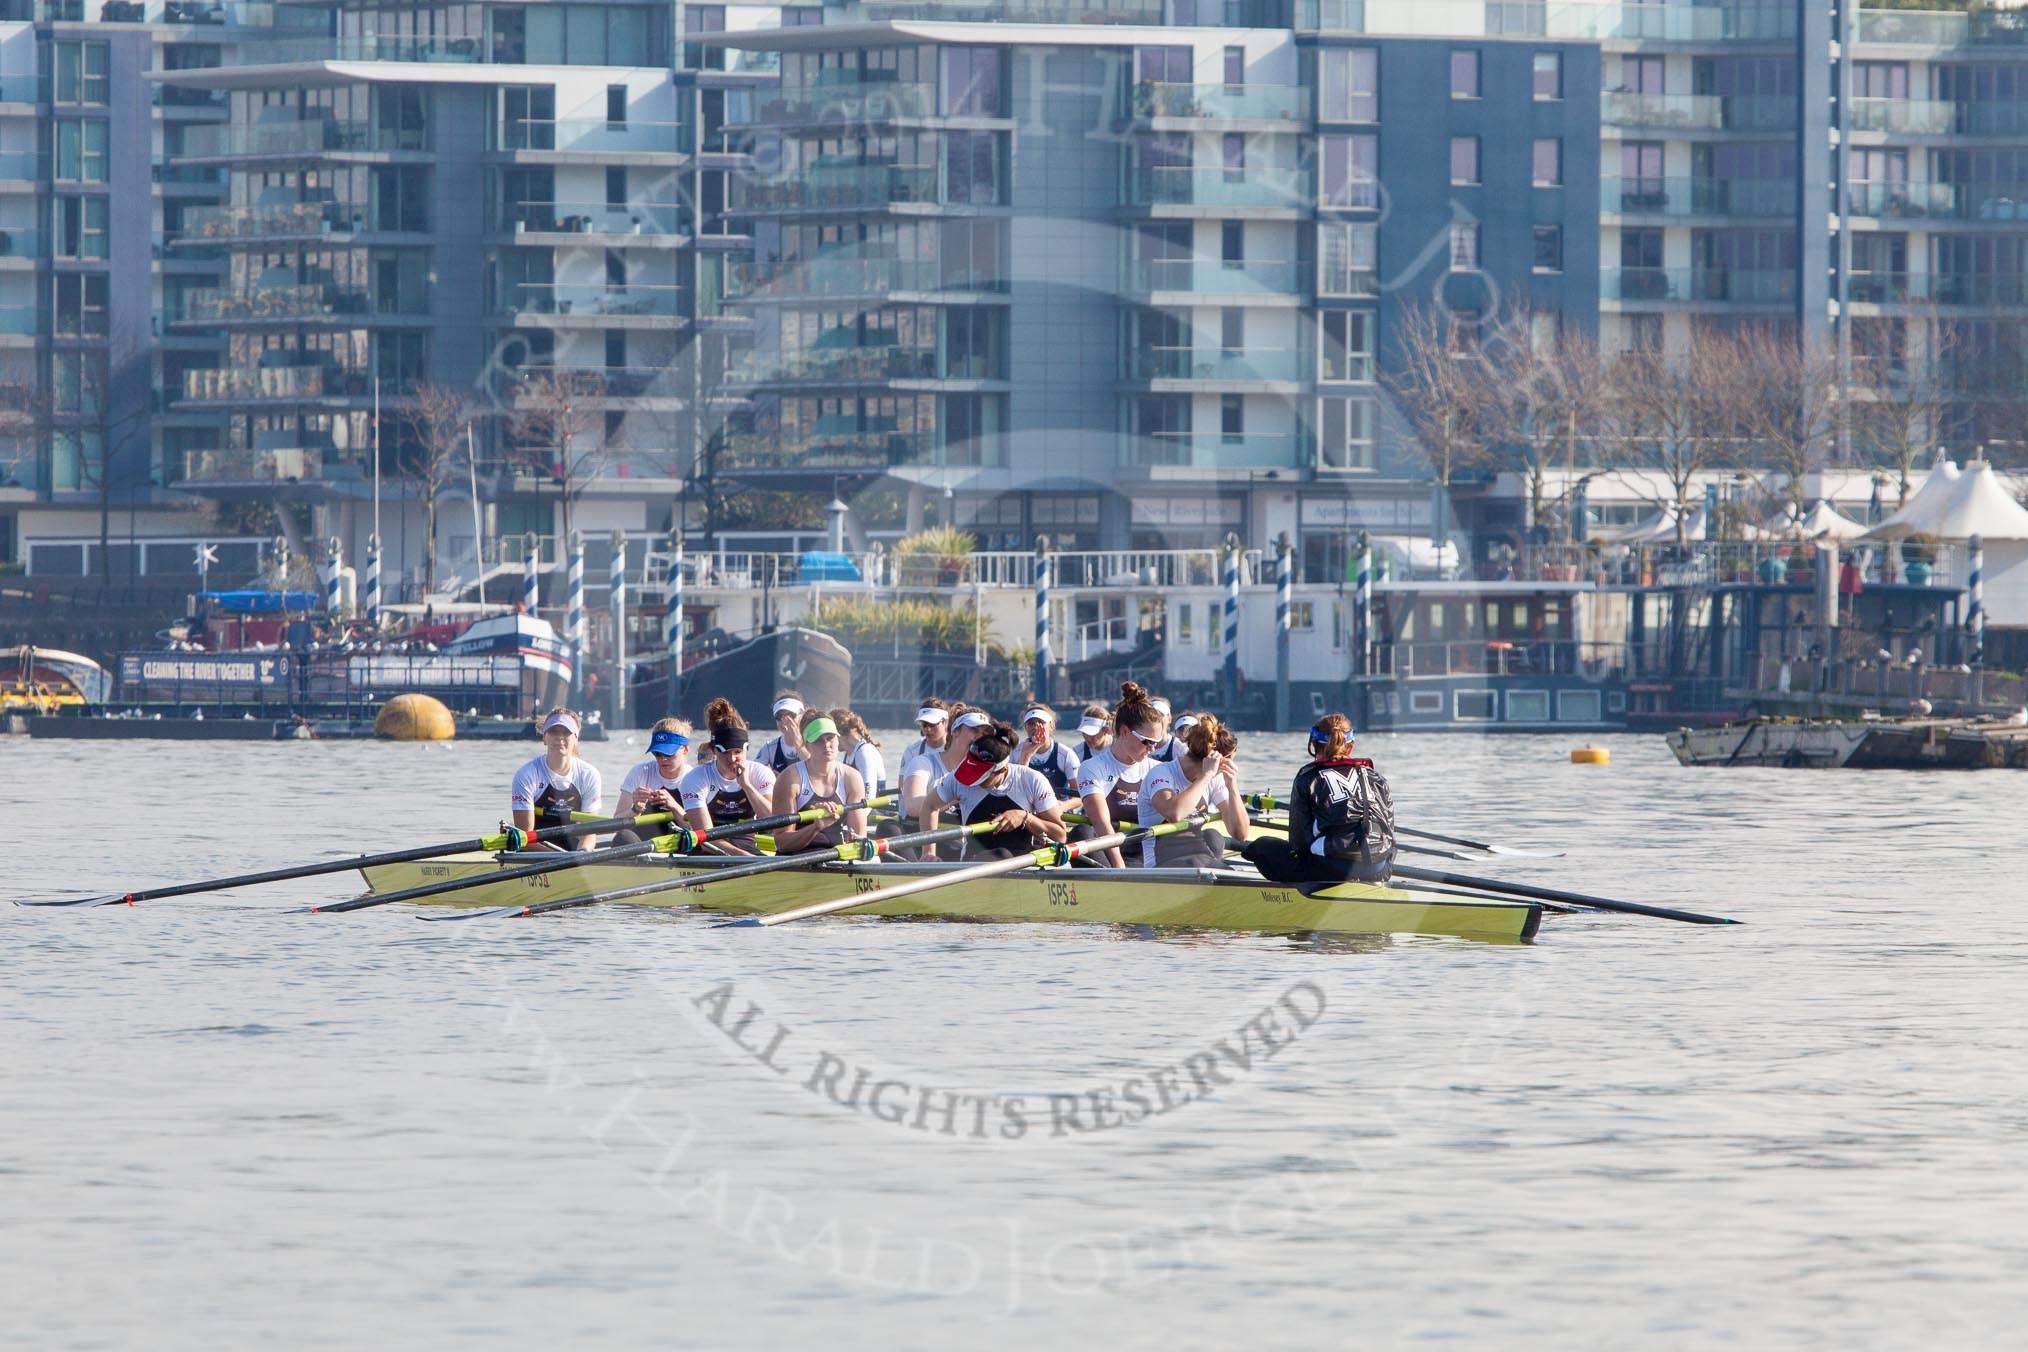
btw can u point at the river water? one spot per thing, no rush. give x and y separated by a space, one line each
225 1125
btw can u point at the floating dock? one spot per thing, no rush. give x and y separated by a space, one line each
1857 744
115 728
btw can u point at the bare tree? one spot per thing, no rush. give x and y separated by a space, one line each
559 421
1675 415
435 417
1788 406
1546 390
1898 403
1440 382
25 418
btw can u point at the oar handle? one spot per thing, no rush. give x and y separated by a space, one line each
1431 875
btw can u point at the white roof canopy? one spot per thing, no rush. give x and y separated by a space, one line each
1953 505
1821 522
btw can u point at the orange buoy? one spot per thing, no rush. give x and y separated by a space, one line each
414 718
1591 755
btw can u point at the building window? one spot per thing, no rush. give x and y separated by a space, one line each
1548 161
1464 75
80 150
1347 258
78 300
1232 146
616 105
1464 246
1549 75
1346 171
1232 242
1348 84
1344 434
77 383
1231 419
1549 248
80 71
1345 346
1643 333
1232 331
1464 159
1235 67
78 227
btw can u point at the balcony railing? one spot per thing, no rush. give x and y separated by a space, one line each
1910 117
789 278
1943 288
283 303
862 448
301 136
369 47
1738 286
1697 112
261 382
1917 28
1245 450
594 136
846 104
1220 102
598 218
841 364
237 14
1903 201
285 220
818 189
1217 187
24 165
593 299
250 466
21 320
1582 20
1211 276
1698 196
25 241
1199 363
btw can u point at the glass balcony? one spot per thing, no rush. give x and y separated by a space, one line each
20 320
1217 187
1579 19
1736 286
1918 28
848 364
280 304
305 136
20 89
862 187
254 466
1244 450
1213 364
594 136
846 276
1211 276
592 299
284 221
870 445
1221 103
25 241
371 47
203 13
1943 288
1913 117
1760 198
596 218
845 104
264 382
1697 112
23 165
1147 12
1903 201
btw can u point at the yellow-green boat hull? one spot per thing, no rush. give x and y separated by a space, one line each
1181 898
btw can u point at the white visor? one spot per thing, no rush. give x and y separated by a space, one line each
1037 716
562 720
972 718
788 706
1186 721
930 715
1161 705
1092 727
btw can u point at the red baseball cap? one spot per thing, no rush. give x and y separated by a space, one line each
981 760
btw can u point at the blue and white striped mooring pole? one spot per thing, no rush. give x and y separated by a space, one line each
672 624
1042 618
1285 593
1975 611
334 580
1231 624
1362 611
531 585
373 580
573 615
616 602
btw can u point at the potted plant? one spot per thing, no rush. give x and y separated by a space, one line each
940 552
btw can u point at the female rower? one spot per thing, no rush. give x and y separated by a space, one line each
656 784
933 722
1167 751
1341 817
726 788
1096 727
862 753
1204 778
988 786
556 783
1110 781
785 748
1040 751
821 779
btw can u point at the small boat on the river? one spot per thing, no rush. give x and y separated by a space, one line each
1179 898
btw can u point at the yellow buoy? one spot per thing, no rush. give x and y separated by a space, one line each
1591 755
415 718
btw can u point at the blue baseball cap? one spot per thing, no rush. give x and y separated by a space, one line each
667 742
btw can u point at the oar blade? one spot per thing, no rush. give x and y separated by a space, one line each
488 913
744 922
120 900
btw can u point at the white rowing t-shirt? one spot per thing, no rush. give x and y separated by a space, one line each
538 789
704 787
866 759
647 777
1169 775
1024 788
1102 774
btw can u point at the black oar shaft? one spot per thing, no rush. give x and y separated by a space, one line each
1430 875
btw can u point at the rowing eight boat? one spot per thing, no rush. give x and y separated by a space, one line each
1169 897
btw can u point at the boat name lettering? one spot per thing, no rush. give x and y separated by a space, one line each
436 870
1280 896
538 880
1061 893
864 885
